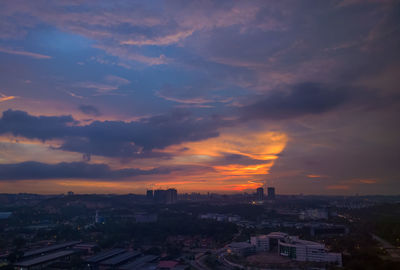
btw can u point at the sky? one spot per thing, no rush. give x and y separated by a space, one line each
203 96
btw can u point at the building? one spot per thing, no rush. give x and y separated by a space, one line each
95 261
149 195
123 258
159 196
241 248
86 248
307 251
49 249
295 248
139 263
260 194
42 262
168 196
98 218
267 242
171 196
271 193
260 242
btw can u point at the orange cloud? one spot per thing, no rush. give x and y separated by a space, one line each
315 176
368 181
262 145
5 98
237 169
260 148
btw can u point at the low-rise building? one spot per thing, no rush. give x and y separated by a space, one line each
241 248
295 248
42 262
260 242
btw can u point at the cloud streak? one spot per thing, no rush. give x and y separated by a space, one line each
4 98
25 53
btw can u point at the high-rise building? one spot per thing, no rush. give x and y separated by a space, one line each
165 196
260 194
159 196
149 194
171 195
271 193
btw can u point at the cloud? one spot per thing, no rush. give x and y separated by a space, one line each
6 98
234 153
117 80
25 53
20 123
302 99
199 94
132 55
368 181
316 176
89 110
79 170
193 100
159 41
112 138
111 83
100 87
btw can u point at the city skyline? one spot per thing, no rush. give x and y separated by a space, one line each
202 96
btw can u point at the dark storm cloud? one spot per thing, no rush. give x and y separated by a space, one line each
36 170
20 123
89 110
303 99
111 138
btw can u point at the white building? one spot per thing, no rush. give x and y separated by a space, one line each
261 242
295 248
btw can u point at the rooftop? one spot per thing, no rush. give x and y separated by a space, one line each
105 255
50 248
121 258
45 258
138 262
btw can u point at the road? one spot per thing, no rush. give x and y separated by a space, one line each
393 251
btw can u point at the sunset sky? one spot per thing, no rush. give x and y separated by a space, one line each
206 96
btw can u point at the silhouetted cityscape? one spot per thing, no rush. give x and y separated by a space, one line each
164 229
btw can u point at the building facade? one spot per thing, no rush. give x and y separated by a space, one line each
260 194
271 193
295 248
